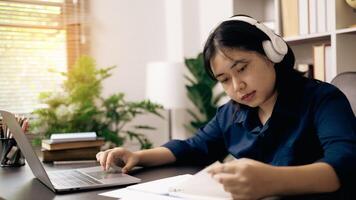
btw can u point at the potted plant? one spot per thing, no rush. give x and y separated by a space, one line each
79 107
200 92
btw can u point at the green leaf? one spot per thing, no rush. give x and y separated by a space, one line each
190 80
194 115
144 142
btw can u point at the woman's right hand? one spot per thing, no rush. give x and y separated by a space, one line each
117 155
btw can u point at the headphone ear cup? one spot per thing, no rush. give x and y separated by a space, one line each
270 52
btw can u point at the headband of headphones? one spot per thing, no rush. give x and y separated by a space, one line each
275 48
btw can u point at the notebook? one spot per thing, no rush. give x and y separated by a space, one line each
64 180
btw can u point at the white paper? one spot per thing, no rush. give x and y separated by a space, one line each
129 194
158 187
200 186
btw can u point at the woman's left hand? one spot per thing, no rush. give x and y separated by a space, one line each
245 178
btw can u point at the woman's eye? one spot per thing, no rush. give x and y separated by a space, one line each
224 80
242 68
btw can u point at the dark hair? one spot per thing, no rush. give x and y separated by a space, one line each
244 36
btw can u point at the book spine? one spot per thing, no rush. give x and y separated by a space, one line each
70 154
303 17
71 145
312 16
330 71
321 16
330 10
290 24
319 62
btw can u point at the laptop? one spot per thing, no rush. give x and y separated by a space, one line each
64 180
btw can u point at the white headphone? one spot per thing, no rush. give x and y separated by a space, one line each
275 48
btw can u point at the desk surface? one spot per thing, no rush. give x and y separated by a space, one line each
20 183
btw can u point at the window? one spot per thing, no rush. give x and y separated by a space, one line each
37 37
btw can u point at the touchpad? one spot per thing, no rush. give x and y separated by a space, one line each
104 174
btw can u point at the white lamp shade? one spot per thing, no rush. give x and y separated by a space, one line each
165 84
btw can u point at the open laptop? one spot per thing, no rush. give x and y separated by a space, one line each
63 180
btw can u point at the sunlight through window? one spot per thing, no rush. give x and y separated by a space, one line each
33 42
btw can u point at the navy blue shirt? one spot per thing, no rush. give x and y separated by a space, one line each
312 121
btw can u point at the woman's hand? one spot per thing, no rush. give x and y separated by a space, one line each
245 178
121 156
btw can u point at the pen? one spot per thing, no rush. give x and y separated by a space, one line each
8 148
8 134
24 125
2 129
15 159
12 152
2 135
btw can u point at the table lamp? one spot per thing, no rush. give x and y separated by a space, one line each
165 86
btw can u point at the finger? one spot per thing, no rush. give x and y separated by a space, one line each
226 179
103 157
214 168
109 160
112 156
97 156
129 165
223 168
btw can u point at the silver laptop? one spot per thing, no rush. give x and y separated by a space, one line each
63 180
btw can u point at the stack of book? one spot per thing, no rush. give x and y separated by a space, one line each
303 17
71 147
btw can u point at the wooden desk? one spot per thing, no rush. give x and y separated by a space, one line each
19 183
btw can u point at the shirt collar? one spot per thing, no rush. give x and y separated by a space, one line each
241 114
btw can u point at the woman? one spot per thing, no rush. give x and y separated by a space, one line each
290 135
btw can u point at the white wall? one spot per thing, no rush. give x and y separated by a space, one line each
131 33
128 34
199 19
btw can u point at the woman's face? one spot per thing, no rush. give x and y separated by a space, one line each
247 77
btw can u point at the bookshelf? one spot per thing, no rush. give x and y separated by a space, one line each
340 33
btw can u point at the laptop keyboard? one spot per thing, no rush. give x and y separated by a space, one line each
71 178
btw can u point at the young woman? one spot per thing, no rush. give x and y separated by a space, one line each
291 135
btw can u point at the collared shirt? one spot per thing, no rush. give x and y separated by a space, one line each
311 122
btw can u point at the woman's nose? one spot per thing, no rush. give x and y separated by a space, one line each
238 85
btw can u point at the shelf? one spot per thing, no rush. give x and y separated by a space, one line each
307 38
346 30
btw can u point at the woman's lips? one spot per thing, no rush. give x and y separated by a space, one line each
249 96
